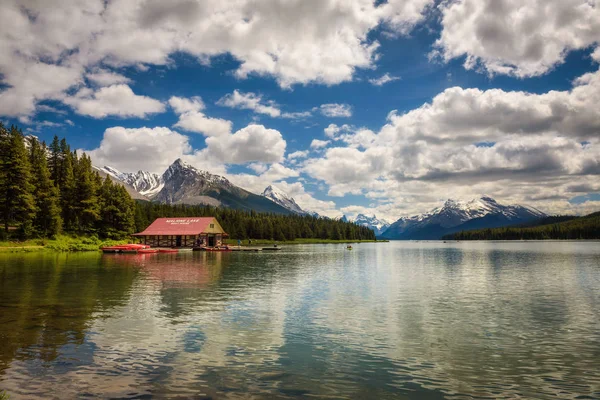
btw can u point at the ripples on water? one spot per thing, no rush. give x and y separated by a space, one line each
388 320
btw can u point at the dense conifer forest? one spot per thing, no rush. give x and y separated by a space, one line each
252 225
48 190
587 227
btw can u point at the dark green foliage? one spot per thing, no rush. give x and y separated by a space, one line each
85 200
118 211
44 191
240 224
17 204
47 221
587 227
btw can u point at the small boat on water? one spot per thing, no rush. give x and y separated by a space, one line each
168 251
348 247
124 248
148 251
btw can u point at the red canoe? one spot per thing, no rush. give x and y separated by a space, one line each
147 251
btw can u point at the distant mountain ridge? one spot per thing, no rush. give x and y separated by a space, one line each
455 216
182 183
377 225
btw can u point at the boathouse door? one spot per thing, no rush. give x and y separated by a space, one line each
178 241
211 241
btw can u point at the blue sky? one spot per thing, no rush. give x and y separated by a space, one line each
238 88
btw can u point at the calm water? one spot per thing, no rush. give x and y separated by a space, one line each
391 320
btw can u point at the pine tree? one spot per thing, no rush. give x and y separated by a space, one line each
17 205
54 161
66 187
47 221
86 207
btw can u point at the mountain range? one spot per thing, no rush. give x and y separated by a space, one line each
182 183
379 226
455 216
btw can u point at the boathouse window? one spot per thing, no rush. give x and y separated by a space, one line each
212 225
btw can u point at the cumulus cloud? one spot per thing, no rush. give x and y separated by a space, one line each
192 119
149 149
254 143
181 105
249 101
517 38
115 100
103 77
48 46
336 110
319 144
517 146
382 80
297 154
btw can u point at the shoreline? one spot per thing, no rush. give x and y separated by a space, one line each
90 244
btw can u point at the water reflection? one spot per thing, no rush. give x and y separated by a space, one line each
434 320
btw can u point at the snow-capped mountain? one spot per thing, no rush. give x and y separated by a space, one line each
455 216
377 225
184 184
278 196
146 183
117 177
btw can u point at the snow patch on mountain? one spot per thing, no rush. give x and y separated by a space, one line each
454 215
278 196
377 225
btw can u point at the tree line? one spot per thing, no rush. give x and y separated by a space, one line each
252 225
587 227
46 190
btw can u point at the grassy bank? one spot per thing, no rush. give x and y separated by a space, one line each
265 242
60 243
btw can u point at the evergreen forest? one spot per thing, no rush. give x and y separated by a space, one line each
46 190
586 227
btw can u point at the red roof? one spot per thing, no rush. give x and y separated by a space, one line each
178 226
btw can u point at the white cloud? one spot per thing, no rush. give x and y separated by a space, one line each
516 146
192 119
115 100
103 77
47 46
298 154
517 38
333 130
382 80
249 101
149 149
254 143
296 115
319 144
336 110
182 105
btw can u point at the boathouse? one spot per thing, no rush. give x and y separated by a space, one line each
183 232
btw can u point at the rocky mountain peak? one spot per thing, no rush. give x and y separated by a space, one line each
281 198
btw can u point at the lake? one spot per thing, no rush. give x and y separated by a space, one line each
427 320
